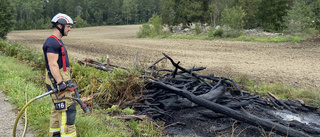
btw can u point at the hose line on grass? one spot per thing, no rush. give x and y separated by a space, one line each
19 115
25 113
25 106
72 87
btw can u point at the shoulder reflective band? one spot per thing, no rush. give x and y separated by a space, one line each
63 54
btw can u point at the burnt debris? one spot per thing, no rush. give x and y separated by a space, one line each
206 105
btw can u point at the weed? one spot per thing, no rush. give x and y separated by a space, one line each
309 96
35 58
218 33
268 39
232 33
102 59
151 29
211 32
197 28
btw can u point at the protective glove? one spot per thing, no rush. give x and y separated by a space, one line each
61 86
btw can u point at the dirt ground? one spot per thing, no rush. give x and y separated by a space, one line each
7 119
291 63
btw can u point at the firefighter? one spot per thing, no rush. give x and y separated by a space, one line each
58 74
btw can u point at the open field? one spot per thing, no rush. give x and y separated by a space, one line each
291 63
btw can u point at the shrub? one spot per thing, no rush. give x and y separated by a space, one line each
80 23
215 33
233 17
197 28
218 32
292 39
310 32
155 21
152 28
145 31
233 33
15 50
102 59
211 32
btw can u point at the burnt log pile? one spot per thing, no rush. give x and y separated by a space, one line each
206 105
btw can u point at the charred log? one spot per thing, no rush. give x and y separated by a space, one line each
243 115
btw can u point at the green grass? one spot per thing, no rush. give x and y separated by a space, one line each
16 79
201 37
241 38
281 90
21 69
267 39
309 96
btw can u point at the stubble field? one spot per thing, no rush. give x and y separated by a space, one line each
296 64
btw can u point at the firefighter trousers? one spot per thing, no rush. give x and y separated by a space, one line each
63 114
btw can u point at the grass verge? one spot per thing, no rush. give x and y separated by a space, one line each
241 38
19 74
201 37
281 90
266 39
15 81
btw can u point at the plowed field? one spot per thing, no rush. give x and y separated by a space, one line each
297 64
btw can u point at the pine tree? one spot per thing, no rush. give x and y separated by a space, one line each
316 11
299 18
250 7
270 14
6 17
168 13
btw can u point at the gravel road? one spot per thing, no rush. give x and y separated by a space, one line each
7 119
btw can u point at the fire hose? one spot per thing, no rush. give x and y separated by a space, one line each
70 85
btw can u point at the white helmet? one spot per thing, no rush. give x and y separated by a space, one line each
62 19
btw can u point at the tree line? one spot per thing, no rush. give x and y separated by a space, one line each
270 15
36 14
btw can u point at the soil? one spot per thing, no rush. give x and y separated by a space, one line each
296 64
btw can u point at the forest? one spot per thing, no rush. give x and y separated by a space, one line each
270 15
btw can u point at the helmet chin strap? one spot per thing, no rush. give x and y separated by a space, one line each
61 30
